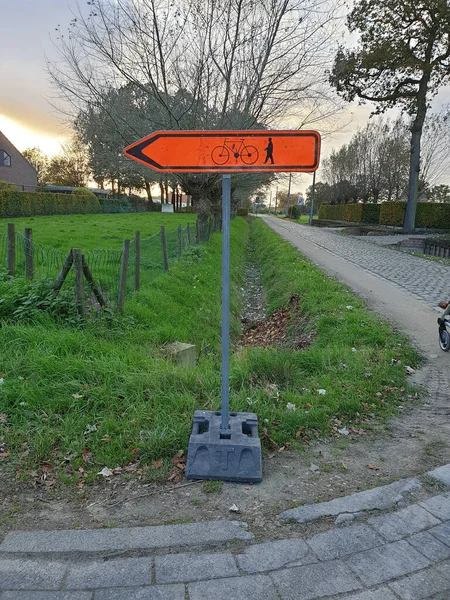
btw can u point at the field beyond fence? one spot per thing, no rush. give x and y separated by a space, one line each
108 275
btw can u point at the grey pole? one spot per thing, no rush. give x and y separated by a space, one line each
311 208
226 199
289 196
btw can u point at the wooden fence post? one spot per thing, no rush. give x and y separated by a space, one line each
164 248
137 260
64 271
123 275
180 241
90 279
197 225
29 267
189 234
79 287
11 250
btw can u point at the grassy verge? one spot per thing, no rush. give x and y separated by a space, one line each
76 399
350 359
105 394
95 231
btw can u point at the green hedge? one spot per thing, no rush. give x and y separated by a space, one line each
392 213
353 213
31 204
332 212
433 216
242 212
370 213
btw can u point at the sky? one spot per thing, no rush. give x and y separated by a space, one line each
27 116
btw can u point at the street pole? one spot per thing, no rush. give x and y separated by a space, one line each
226 200
289 196
270 201
311 208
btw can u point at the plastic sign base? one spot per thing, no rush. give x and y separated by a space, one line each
235 456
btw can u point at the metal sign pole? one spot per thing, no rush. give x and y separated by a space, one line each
226 200
289 196
313 193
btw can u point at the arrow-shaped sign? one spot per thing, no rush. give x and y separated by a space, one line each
228 151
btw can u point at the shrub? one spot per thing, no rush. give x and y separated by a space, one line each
31 204
370 213
296 211
332 212
353 213
433 216
112 205
392 213
242 212
83 192
7 187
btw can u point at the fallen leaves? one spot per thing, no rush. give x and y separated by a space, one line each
373 467
273 330
106 472
3 418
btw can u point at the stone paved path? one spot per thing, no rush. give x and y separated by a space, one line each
424 279
398 555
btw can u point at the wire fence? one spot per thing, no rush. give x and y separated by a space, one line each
115 273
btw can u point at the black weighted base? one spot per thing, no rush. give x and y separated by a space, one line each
235 456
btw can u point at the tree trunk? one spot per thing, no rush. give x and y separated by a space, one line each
148 189
161 187
414 165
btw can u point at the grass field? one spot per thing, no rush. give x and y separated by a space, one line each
104 394
95 231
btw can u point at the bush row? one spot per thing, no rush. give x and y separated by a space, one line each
30 204
428 215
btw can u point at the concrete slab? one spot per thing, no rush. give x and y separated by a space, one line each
275 555
175 568
343 542
109 573
237 588
380 498
31 574
442 474
153 592
404 522
132 538
439 506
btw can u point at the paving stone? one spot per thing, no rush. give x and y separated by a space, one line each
403 522
110 573
428 545
275 555
97 540
20 574
442 474
421 585
444 568
154 592
380 498
379 594
342 542
442 532
387 562
315 581
236 588
192 567
45 595
439 506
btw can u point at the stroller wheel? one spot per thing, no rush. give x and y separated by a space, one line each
444 339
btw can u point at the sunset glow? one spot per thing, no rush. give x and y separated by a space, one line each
23 137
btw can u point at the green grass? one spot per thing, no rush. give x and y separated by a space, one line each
107 391
95 231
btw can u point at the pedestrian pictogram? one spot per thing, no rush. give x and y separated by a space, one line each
228 151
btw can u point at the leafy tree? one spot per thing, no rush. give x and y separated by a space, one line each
70 168
5 186
439 194
323 194
402 60
39 161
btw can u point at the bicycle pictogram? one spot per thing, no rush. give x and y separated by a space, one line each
234 148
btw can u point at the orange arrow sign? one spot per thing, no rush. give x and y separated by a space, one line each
228 151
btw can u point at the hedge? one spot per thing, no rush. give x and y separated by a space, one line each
370 213
353 213
392 213
332 212
433 216
31 204
242 212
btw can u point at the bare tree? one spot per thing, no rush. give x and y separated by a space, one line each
201 63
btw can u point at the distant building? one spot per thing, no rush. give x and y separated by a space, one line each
14 168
